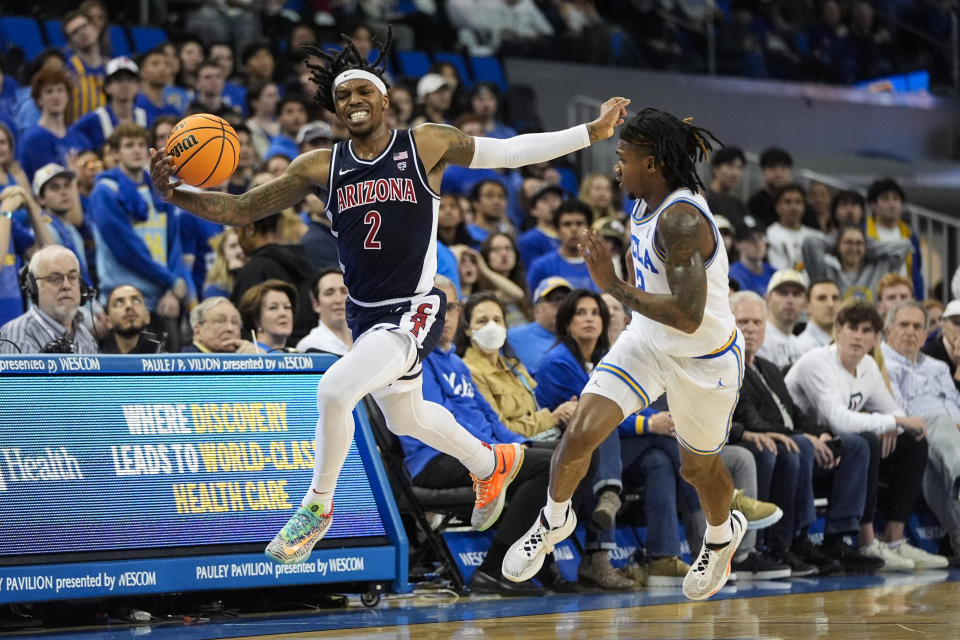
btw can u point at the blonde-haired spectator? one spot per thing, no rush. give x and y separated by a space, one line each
596 189
229 258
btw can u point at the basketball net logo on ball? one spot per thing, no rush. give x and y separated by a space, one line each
204 149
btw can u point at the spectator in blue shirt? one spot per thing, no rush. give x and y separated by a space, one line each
448 383
532 340
155 76
56 191
49 140
572 217
234 94
8 92
18 242
138 235
542 239
489 201
752 272
121 86
26 113
485 102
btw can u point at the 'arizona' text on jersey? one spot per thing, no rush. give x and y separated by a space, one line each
384 216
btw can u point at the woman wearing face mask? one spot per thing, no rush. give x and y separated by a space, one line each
268 309
229 258
500 377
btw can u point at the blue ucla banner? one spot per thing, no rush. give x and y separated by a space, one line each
163 456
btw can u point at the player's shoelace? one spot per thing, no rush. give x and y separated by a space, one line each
484 492
537 539
302 523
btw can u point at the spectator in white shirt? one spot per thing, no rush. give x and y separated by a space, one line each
493 22
786 299
843 387
823 299
923 386
329 297
785 238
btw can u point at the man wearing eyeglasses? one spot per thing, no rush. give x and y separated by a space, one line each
216 328
51 324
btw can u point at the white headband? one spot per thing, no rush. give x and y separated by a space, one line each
357 74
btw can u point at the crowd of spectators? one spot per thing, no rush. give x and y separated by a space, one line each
819 279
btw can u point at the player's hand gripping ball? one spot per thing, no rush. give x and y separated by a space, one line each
204 149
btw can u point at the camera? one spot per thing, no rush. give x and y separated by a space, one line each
63 344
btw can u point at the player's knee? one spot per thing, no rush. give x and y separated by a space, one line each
581 435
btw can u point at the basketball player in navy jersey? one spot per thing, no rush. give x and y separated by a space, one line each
381 190
683 340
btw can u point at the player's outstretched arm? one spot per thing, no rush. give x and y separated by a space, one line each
280 193
442 145
686 237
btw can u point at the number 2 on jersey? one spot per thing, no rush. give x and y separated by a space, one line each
373 219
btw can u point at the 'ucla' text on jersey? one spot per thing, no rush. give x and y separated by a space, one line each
384 216
649 262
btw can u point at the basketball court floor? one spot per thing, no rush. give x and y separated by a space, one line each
885 607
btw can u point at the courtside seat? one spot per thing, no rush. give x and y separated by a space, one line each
454 506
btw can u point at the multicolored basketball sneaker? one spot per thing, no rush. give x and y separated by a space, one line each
492 492
296 540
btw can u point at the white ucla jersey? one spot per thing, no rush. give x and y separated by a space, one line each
718 327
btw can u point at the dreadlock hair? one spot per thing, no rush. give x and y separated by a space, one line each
339 61
676 144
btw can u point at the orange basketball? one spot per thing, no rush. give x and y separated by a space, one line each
204 148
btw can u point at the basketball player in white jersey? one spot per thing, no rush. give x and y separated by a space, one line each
683 340
381 190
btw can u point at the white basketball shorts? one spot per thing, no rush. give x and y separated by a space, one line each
702 392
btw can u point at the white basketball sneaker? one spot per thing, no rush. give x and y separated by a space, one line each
525 556
711 569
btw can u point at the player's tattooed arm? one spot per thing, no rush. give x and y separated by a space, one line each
685 237
441 145
280 193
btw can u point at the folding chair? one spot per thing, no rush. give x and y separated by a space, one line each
454 504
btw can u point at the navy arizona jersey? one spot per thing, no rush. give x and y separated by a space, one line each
384 216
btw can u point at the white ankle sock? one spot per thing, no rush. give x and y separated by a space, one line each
324 498
719 534
482 462
555 512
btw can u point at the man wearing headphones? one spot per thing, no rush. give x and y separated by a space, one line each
53 283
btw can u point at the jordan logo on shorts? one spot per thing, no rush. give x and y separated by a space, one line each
719 383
